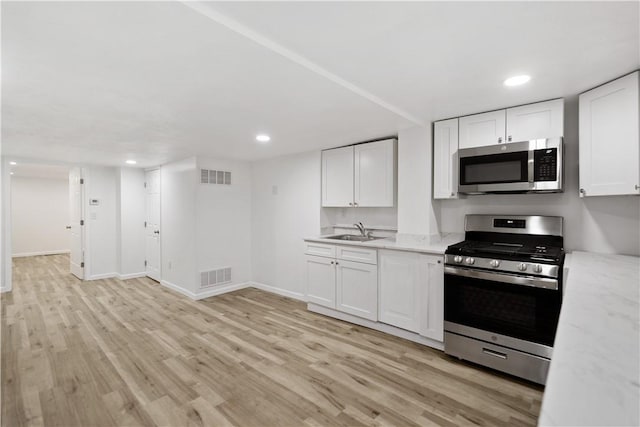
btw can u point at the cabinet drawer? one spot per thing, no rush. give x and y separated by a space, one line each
357 254
320 249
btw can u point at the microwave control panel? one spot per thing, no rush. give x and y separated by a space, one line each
545 164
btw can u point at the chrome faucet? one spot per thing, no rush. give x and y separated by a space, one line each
361 228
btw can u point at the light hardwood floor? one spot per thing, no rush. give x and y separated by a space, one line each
124 353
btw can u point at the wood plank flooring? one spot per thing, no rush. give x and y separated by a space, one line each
129 353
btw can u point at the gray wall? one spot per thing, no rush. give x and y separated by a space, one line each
595 224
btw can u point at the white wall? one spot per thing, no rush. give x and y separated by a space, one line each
285 209
416 213
40 213
597 224
100 222
178 225
5 226
130 222
224 220
385 217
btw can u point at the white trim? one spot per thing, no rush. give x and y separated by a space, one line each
295 57
131 275
3 289
274 290
102 276
382 327
207 293
58 252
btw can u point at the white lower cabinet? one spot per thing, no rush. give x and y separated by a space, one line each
357 289
321 280
411 292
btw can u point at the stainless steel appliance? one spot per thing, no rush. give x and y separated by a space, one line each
503 292
533 166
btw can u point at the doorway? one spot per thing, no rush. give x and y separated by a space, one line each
152 224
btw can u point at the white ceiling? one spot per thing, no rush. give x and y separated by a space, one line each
100 82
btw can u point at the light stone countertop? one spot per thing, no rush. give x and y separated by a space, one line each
594 378
435 244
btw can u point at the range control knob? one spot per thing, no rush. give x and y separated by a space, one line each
469 260
494 263
537 268
457 259
522 266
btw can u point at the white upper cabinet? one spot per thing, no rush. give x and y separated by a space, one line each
535 121
375 174
445 159
483 129
363 175
337 177
609 118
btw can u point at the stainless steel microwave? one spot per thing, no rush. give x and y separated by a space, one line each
533 166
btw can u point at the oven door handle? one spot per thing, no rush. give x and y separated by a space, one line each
534 282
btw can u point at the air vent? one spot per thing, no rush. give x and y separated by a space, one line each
215 177
215 277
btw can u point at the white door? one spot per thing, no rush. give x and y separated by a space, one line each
357 289
76 209
401 276
337 177
375 177
321 280
535 121
445 159
432 313
152 225
609 160
483 129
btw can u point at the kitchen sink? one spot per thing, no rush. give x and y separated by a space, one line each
354 238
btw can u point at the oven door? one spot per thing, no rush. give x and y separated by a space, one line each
524 309
500 168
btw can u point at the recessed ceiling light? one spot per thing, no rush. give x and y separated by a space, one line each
10 173
131 162
517 80
263 138
12 163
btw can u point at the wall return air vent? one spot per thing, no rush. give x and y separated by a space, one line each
215 277
215 177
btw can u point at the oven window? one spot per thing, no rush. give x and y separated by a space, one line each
495 168
517 311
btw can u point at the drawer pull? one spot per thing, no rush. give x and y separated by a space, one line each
494 353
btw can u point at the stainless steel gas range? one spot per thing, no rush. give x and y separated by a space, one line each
503 292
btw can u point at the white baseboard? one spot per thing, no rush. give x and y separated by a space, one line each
274 290
102 276
131 275
3 289
382 327
206 293
24 254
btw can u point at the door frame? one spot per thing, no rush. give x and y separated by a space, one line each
85 227
159 169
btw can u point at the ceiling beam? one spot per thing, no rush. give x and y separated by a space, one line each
243 30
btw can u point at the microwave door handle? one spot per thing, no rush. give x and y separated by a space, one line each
530 166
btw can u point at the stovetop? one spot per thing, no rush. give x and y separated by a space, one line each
524 251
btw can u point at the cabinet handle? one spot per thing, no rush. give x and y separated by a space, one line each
350 204
500 140
337 263
509 139
453 194
355 204
332 262
637 187
582 191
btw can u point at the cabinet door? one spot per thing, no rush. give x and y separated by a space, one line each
321 280
536 121
375 175
357 289
483 129
445 159
401 274
432 299
337 177
609 160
